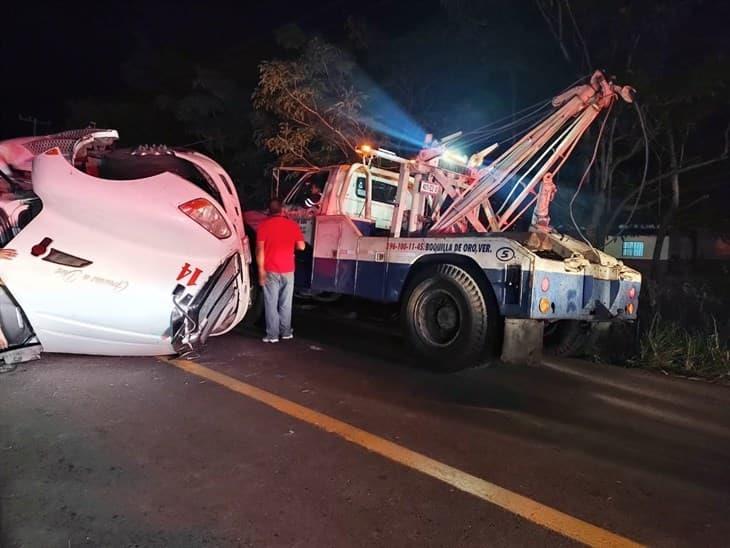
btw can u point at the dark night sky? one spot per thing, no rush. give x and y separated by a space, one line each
53 53
60 51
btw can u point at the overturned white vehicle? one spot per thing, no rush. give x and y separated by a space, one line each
118 251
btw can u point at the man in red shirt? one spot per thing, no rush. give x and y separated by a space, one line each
276 239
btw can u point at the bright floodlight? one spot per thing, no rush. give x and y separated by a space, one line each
455 157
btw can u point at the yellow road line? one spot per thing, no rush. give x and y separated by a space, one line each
515 503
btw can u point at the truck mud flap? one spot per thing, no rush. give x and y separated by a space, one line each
205 310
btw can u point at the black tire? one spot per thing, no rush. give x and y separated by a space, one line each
567 338
449 320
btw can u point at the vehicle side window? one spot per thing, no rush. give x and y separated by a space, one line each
124 165
205 183
309 190
384 195
382 191
225 183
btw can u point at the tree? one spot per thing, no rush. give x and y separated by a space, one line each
677 100
312 107
216 117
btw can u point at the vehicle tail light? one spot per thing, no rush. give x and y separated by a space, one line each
544 305
545 284
632 292
630 308
207 215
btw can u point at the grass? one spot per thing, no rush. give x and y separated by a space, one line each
669 347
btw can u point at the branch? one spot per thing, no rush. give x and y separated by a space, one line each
586 55
619 209
694 203
321 119
558 37
621 159
303 158
630 59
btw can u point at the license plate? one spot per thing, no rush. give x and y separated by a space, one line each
430 188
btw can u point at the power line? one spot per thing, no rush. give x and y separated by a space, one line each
585 176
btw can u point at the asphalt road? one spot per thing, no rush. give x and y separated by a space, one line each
139 452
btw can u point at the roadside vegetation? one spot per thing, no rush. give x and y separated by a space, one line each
670 347
686 326
683 329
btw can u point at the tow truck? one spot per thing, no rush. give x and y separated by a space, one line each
437 236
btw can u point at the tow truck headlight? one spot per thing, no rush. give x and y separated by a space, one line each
207 215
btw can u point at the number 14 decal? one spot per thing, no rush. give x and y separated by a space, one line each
186 271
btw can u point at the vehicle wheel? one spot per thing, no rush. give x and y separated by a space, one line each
567 338
449 320
326 297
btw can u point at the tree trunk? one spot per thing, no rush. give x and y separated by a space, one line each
596 229
669 215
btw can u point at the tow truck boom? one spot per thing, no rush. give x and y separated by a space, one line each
533 160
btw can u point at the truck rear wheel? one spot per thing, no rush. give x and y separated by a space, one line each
567 338
448 320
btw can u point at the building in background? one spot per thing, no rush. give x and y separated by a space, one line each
682 252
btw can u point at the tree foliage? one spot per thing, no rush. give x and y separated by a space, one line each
313 105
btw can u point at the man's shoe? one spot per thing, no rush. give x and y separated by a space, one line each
270 340
287 337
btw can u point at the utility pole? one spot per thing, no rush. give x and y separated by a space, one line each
35 121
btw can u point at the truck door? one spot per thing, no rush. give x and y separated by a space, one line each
335 254
303 204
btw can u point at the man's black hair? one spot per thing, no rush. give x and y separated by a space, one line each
274 206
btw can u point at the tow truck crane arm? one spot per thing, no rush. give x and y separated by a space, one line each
552 141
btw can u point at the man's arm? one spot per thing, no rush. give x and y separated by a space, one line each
299 239
260 262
